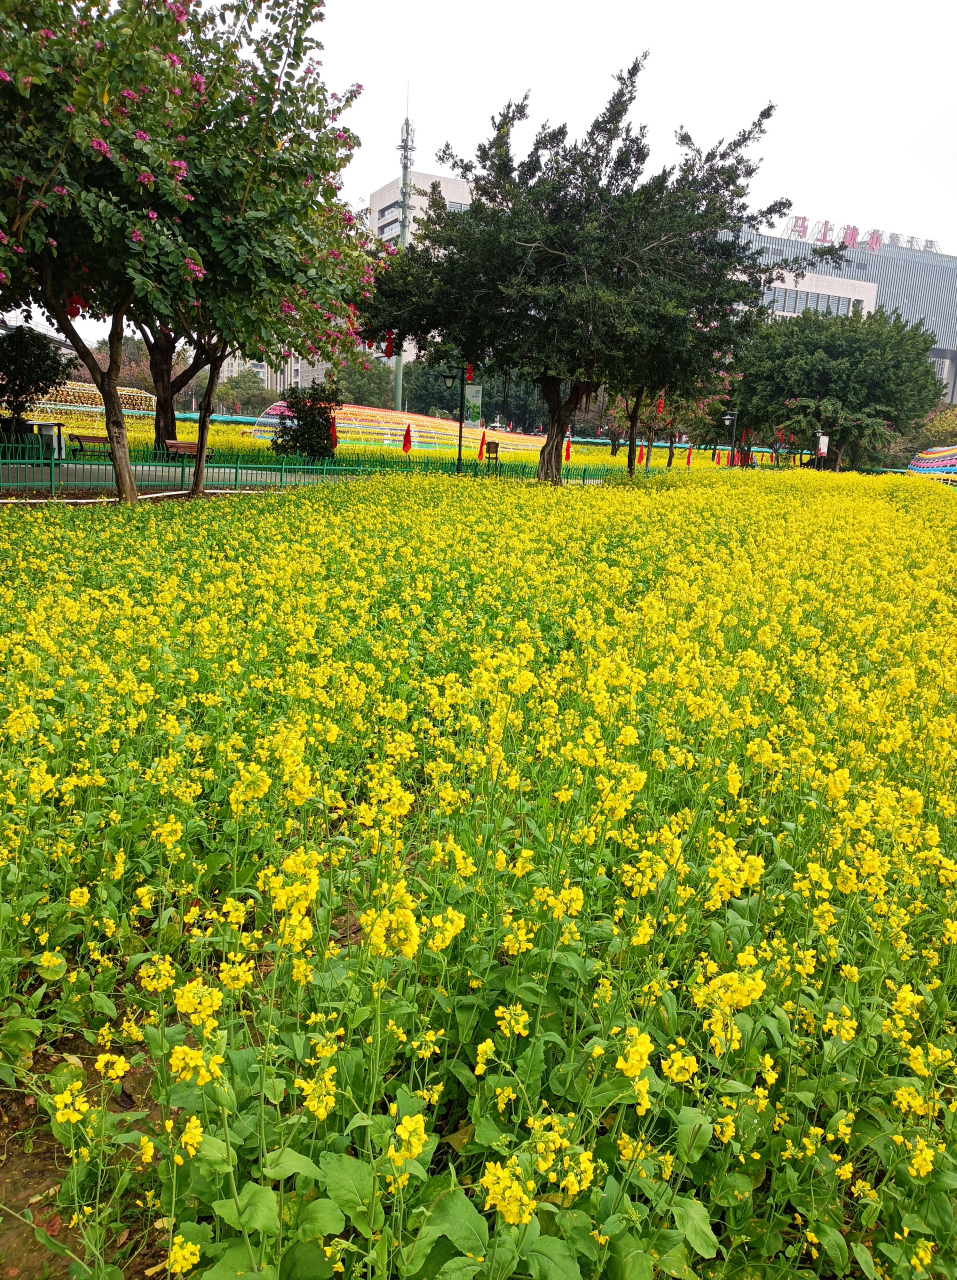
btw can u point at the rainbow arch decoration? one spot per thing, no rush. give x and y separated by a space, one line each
936 464
384 428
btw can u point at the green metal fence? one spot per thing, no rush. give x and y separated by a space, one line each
25 470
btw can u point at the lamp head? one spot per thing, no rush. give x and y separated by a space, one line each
727 419
449 380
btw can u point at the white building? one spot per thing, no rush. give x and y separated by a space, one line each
292 372
385 205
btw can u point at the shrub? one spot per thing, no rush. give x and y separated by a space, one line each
30 367
310 430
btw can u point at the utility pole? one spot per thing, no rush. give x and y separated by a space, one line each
405 149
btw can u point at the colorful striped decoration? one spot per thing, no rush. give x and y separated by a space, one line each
937 464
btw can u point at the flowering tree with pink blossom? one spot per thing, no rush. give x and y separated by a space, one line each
81 86
145 182
284 261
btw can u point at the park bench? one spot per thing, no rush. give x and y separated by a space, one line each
185 449
89 444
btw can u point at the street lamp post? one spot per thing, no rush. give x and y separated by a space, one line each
730 419
449 379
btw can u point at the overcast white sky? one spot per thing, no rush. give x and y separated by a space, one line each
866 118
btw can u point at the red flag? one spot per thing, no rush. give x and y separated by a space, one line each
482 447
332 435
568 444
641 454
407 439
510 427
728 463
688 459
737 457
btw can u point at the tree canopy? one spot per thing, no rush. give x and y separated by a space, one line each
30 367
572 269
862 380
177 167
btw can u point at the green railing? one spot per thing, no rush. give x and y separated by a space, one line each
24 470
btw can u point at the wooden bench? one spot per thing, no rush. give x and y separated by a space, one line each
97 443
185 449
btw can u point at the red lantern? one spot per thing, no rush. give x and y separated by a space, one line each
468 373
661 404
388 344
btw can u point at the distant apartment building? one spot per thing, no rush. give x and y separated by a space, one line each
295 371
385 205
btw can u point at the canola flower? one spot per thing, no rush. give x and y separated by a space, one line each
597 844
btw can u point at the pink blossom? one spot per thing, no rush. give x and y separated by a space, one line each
181 137
59 191
105 123
137 235
18 248
186 196
198 82
340 135
172 59
4 278
286 308
145 177
177 10
194 268
3 238
128 93
69 110
99 145
46 33
4 76
142 135
51 243
151 215
179 168
178 92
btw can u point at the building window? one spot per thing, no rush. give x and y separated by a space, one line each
390 210
391 230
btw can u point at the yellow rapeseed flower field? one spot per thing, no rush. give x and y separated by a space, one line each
472 879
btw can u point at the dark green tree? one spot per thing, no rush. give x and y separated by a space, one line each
860 380
571 270
246 390
307 429
370 386
31 366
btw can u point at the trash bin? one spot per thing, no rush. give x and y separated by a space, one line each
51 439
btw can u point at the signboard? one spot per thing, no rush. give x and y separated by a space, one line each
851 237
822 443
473 402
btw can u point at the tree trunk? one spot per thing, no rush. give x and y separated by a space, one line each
161 347
105 380
559 415
205 412
671 449
119 448
633 430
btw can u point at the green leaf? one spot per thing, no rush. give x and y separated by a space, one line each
320 1218
215 1155
864 1259
459 1269
456 1216
233 1263
349 1182
304 1261
258 1210
675 1263
283 1164
576 1227
691 1218
694 1134
627 1259
505 1256
552 1259
834 1243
